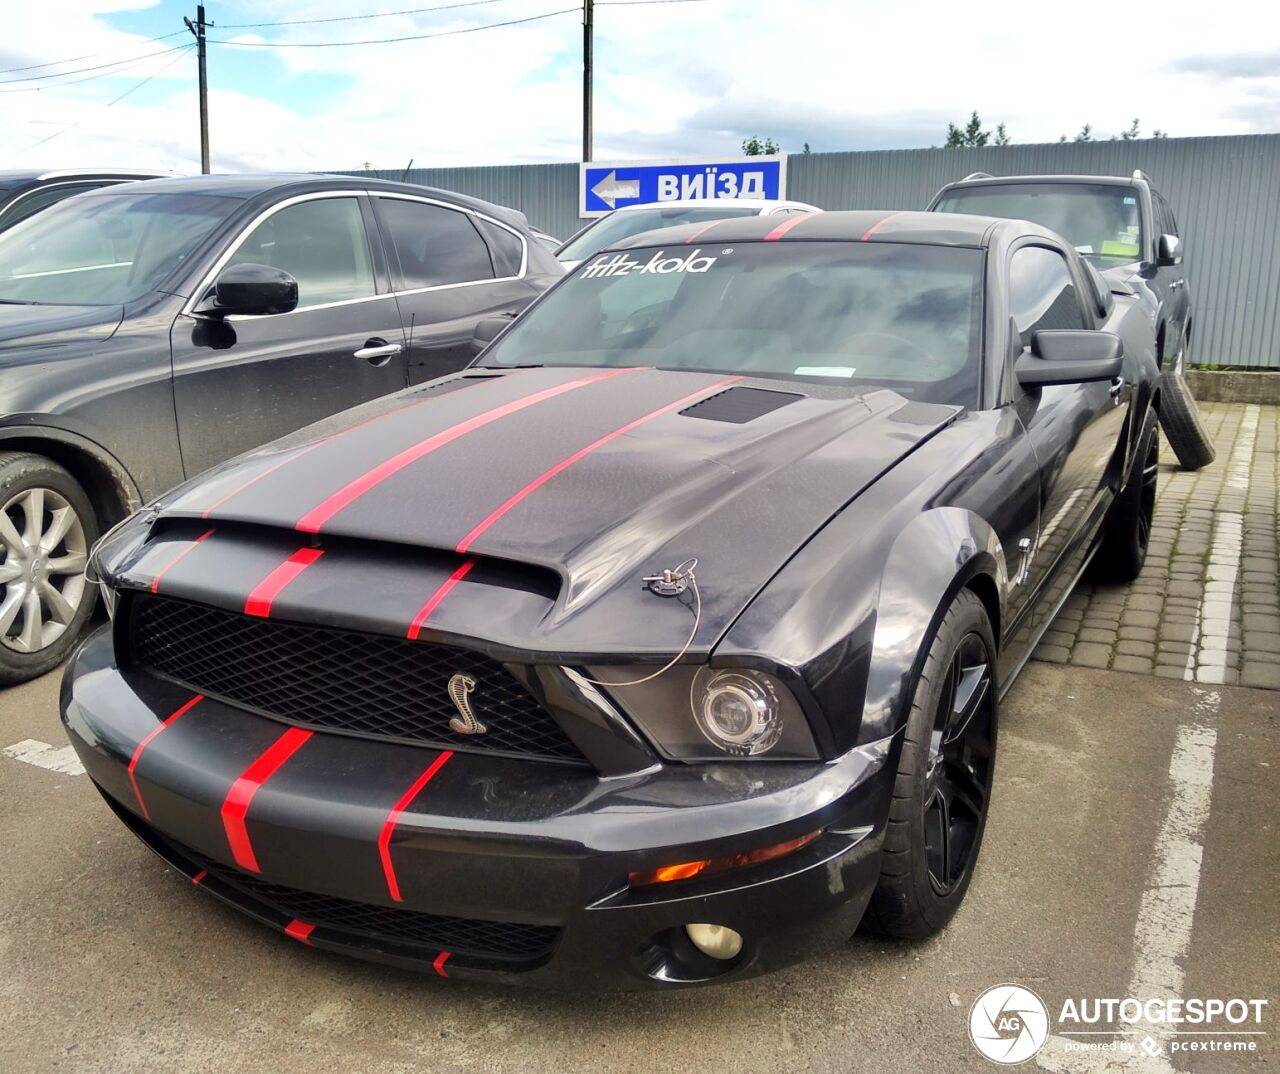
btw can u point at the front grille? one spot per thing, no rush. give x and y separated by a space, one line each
340 680
459 935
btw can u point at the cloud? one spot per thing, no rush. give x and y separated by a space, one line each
1244 65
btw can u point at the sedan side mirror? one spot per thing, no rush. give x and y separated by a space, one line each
1070 356
1169 250
250 290
487 330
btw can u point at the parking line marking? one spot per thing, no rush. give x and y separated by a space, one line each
32 751
1166 913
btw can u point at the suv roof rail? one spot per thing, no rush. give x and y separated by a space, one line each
1138 173
977 175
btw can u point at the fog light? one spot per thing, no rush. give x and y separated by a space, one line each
718 941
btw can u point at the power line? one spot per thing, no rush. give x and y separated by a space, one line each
394 40
115 100
116 73
352 18
96 67
77 59
637 3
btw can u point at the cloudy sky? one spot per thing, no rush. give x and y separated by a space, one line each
671 78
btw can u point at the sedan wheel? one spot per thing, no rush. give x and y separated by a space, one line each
47 526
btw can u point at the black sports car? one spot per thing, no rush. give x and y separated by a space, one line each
660 645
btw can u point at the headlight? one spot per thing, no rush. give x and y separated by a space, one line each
737 711
713 714
109 549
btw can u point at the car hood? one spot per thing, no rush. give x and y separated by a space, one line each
567 486
23 325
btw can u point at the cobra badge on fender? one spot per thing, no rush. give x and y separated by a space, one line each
465 723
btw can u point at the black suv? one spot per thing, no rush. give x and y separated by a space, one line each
1127 229
152 329
25 193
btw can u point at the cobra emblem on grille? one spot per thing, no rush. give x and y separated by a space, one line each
465 723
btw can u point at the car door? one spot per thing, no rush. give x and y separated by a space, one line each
1074 429
450 268
1171 279
241 381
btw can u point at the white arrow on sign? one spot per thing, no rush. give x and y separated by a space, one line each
610 189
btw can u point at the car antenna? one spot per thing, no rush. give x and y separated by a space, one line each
404 175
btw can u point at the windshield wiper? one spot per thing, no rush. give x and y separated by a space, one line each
17 302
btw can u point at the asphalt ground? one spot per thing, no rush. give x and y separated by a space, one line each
1131 850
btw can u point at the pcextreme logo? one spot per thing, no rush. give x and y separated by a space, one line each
1008 1024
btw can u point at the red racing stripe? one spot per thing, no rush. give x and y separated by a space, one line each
200 876
146 741
236 805
564 464
265 592
784 227
877 226
300 931
353 490
155 582
260 475
438 964
701 231
397 810
432 601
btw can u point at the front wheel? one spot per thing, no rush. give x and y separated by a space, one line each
1122 550
47 526
943 786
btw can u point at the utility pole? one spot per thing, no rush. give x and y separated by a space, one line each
588 31
198 29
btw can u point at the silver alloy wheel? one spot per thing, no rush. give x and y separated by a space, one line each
42 574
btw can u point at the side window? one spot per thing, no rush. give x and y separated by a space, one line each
321 244
30 204
505 247
434 245
1042 293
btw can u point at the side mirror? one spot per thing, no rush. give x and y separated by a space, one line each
255 290
1169 250
487 330
1070 356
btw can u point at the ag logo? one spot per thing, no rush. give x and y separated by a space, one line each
1008 1024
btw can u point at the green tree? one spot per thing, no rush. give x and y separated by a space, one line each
1085 135
1002 136
971 136
1158 133
755 146
1130 134
806 150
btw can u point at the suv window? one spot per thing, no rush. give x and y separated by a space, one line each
1042 293
433 245
321 244
32 203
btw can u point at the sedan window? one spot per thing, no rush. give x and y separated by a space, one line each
104 248
434 245
321 243
867 314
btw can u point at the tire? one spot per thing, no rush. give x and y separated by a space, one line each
47 526
1123 547
1180 417
943 751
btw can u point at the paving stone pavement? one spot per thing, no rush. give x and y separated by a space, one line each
1207 604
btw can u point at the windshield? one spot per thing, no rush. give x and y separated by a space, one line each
104 249
612 229
1102 222
900 316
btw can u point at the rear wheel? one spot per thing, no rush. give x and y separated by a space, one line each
47 526
943 786
1123 549
1180 416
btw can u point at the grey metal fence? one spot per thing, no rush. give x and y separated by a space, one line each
1225 192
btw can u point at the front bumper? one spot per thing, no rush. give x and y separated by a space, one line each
505 870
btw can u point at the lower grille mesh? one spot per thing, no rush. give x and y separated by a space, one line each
340 680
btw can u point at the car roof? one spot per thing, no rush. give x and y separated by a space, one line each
1004 180
865 225
716 203
248 185
35 175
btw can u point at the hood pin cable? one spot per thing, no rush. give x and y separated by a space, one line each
670 583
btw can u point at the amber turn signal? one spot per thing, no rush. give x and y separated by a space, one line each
686 870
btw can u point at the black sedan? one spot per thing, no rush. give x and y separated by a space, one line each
662 646
151 329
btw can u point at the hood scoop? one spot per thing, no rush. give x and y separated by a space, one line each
739 405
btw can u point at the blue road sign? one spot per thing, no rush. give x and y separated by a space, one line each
609 186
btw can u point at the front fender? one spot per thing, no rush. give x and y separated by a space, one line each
934 557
